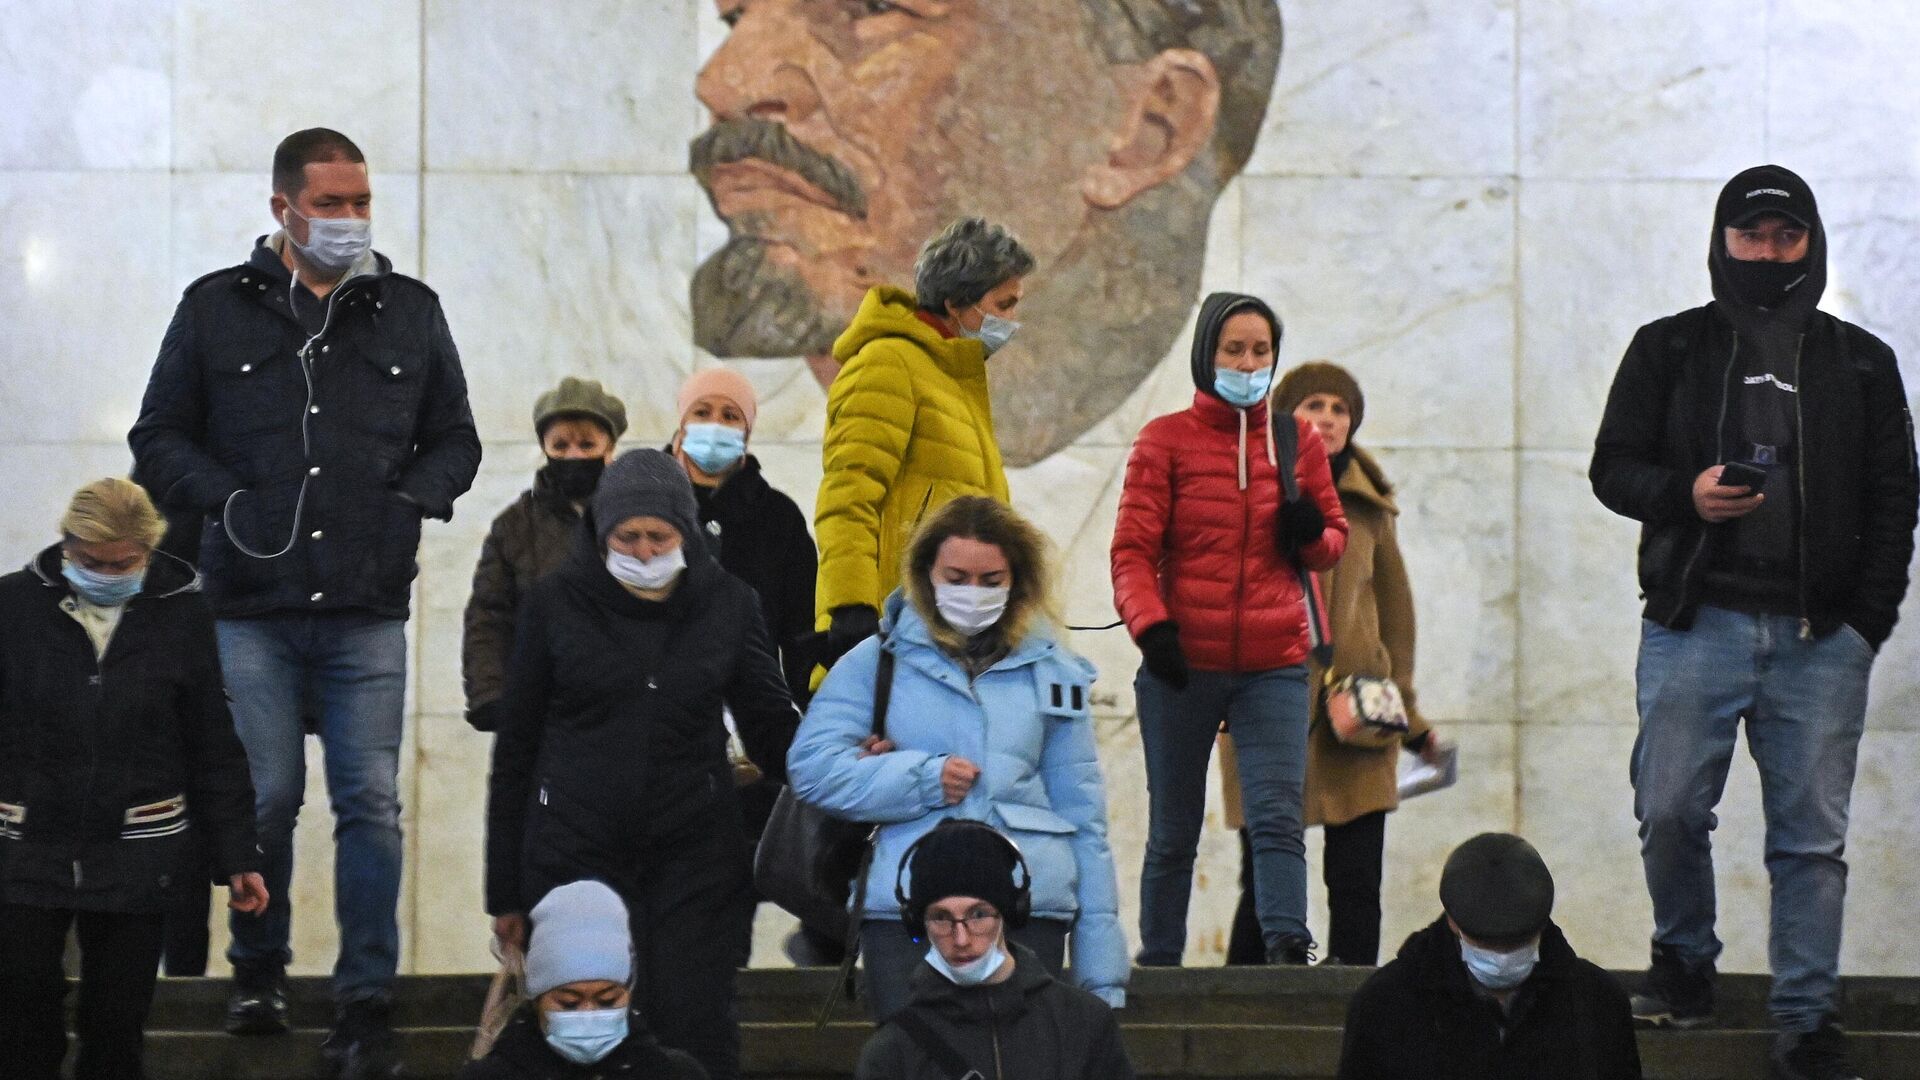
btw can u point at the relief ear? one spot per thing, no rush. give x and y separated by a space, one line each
1170 119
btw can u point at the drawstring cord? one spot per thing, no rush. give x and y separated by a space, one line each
1242 462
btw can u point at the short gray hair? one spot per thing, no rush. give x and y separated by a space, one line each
964 261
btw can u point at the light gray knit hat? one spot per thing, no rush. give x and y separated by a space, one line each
580 934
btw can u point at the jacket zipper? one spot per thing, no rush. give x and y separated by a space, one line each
993 1017
98 683
1719 446
1800 485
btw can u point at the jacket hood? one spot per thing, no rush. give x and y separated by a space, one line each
889 312
1007 1000
1364 479
167 575
1214 312
1767 183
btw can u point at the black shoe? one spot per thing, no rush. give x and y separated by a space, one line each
362 1045
1813 1055
1291 951
1677 994
257 1000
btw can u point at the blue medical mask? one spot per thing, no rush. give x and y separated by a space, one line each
333 244
106 590
1499 970
994 331
1242 389
587 1035
715 448
972 973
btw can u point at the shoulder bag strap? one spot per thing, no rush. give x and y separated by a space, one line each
882 697
947 1059
1286 447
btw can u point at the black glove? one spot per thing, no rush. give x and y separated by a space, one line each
1160 648
484 717
851 625
1300 524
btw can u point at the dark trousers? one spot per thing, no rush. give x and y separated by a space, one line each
119 961
1351 867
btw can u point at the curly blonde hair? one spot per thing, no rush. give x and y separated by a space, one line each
976 517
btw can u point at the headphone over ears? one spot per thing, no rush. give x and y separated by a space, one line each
915 918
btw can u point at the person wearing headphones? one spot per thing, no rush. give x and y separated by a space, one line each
984 1005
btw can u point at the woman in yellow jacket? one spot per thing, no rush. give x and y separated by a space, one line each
909 423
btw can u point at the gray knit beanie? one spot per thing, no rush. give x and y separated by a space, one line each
647 483
580 934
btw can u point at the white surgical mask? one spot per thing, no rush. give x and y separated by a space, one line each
970 608
584 1036
333 244
1497 970
994 331
972 973
650 574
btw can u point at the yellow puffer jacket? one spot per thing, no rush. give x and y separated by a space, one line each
909 427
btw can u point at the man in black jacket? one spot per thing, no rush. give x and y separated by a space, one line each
1491 990
1767 450
309 404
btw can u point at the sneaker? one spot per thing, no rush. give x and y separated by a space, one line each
1677 994
1813 1055
1291 951
362 1045
257 1000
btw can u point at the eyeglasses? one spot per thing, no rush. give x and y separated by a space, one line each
979 923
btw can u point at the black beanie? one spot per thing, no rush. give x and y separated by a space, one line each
647 483
1497 888
962 857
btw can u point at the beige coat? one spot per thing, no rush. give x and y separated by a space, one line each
1370 608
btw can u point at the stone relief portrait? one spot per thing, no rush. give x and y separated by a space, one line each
846 132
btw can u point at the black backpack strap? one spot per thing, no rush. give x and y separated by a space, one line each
882 690
941 1052
882 697
1286 449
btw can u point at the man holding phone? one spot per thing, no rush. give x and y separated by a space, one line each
1767 450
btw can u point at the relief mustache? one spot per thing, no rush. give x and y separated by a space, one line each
728 141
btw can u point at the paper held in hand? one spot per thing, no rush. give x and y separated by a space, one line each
1420 777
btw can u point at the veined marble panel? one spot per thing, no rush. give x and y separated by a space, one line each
547 276
1843 88
1407 87
87 297
1873 261
1642 88
41 478
1407 283
600 86
451 929
217 217
247 73
89 86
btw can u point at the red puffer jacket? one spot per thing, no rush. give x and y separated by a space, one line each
1196 539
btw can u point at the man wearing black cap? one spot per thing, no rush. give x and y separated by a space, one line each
1767 450
1491 989
981 1002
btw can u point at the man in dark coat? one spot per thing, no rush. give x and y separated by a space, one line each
979 1001
310 405
1491 990
1767 450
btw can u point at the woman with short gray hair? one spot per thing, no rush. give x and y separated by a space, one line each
909 422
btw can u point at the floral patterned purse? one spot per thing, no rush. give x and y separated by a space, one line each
1366 712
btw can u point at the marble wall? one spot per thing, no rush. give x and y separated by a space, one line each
1471 203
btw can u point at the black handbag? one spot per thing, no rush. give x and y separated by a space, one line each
808 860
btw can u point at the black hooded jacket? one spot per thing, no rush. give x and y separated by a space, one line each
96 752
1673 411
763 540
610 726
521 1053
1421 1018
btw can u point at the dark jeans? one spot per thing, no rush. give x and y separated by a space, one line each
891 955
186 943
1351 868
119 961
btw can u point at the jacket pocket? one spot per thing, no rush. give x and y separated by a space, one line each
1045 840
253 386
393 383
1024 818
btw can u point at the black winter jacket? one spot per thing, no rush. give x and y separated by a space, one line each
763 540
610 726
1031 1027
521 1053
528 541
1420 1018
1670 415
97 754
373 428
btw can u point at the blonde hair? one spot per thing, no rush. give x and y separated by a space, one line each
975 517
110 510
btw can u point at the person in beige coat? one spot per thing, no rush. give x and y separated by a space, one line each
1350 790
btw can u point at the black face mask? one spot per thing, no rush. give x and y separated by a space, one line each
1764 284
574 477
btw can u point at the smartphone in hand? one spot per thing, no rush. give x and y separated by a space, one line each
1743 474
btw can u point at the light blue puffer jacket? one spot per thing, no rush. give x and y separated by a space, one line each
1024 722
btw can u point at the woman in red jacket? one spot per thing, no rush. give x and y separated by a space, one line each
1206 558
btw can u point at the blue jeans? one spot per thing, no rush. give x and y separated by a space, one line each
1805 705
1268 714
350 670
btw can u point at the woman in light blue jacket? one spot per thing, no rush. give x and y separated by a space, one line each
987 720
